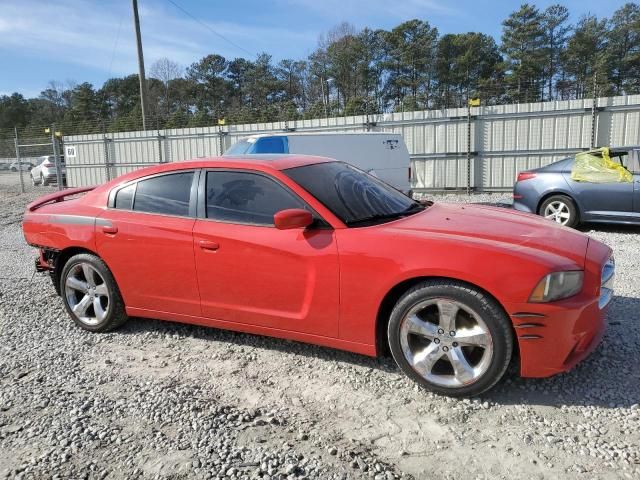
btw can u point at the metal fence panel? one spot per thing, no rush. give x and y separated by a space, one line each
505 140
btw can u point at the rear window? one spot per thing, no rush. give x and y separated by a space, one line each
166 194
124 197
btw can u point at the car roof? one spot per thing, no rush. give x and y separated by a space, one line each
271 161
250 162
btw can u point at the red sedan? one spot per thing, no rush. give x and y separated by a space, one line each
315 250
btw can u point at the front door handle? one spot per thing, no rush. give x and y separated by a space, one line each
207 245
110 229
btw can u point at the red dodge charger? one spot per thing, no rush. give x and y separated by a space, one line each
315 250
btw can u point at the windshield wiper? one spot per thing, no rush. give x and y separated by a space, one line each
414 208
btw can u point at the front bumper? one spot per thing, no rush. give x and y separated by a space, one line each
554 337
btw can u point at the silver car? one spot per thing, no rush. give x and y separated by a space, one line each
551 192
45 173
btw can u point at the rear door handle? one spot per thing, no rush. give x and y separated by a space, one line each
111 229
207 245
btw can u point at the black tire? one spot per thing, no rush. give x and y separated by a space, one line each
495 319
574 218
115 311
43 182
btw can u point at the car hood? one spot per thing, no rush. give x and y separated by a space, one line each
509 228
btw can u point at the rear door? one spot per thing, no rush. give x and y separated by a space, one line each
602 201
145 236
249 271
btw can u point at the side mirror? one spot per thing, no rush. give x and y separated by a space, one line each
292 218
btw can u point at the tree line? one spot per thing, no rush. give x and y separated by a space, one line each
541 56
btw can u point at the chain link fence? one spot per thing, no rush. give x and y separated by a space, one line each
31 159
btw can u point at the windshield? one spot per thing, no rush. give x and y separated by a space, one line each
239 148
355 197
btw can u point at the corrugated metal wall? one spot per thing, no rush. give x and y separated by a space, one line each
505 139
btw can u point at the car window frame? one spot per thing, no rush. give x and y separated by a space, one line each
193 193
319 223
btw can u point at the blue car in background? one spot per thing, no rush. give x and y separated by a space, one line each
551 191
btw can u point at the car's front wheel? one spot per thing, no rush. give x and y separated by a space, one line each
91 295
450 338
561 209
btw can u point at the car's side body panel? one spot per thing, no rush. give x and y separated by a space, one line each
282 279
151 258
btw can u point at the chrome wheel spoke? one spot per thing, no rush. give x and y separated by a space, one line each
418 326
463 371
424 360
98 310
475 337
102 290
88 274
447 315
80 309
77 284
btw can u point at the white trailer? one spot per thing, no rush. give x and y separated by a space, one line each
384 155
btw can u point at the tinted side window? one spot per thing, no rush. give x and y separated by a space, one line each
269 145
240 197
166 194
124 197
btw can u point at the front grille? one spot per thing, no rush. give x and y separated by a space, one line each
606 282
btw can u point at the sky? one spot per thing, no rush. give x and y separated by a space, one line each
73 41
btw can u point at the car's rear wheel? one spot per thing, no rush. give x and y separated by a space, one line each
450 338
43 182
91 295
561 209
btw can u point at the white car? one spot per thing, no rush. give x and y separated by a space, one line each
45 173
24 166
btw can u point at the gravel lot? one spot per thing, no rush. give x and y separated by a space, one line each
162 400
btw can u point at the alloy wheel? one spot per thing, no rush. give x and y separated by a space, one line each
446 342
87 294
558 212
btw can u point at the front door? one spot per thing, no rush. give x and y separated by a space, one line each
249 271
146 239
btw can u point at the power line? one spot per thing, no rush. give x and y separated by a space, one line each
208 27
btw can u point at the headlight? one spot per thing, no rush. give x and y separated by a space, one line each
556 286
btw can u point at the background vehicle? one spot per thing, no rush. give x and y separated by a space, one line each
45 171
315 250
383 155
549 191
25 166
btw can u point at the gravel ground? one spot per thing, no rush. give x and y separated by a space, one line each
162 400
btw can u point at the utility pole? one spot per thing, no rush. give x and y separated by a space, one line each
56 156
141 76
594 110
